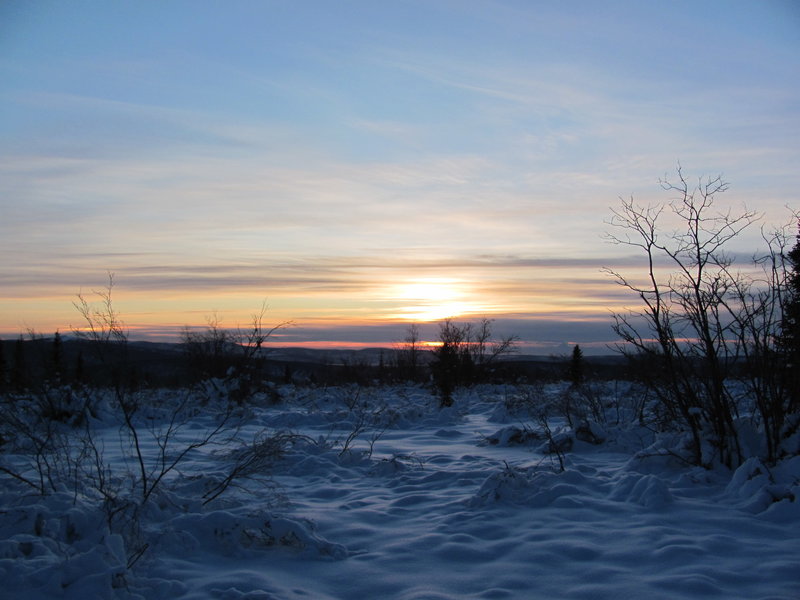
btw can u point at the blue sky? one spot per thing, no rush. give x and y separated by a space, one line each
363 164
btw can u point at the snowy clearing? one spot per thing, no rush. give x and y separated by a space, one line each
379 493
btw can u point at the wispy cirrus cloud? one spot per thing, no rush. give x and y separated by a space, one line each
327 171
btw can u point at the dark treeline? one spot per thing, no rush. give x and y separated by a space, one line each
35 360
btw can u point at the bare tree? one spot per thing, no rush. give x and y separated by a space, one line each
684 327
483 349
464 355
237 353
208 350
102 323
252 340
409 353
759 309
105 332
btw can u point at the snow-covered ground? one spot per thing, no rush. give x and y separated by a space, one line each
379 493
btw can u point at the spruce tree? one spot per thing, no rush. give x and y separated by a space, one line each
57 357
19 374
80 369
789 342
3 367
576 366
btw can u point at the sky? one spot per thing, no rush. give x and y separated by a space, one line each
358 166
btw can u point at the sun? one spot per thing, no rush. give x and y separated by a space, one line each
431 299
431 290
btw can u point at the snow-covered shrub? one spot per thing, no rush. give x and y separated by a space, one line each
510 484
520 403
157 433
582 401
254 460
755 486
591 432
41 439
360 413
398 463
233 533
513 435
62 544
535 486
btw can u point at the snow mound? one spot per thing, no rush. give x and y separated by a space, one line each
513 436
591 432
536 486
645 490
755 488
58 545
232 534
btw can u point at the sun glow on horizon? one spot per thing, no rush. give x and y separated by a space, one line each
432 299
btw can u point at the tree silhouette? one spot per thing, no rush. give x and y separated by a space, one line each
576 366
789 342
452 365
3 366
683 323
57 357
409 357
19 373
